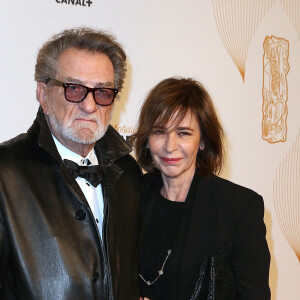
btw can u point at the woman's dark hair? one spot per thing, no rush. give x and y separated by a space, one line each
180 96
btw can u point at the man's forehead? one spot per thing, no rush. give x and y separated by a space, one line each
71 55
85 67
76 51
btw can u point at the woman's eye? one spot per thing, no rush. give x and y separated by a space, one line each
158 132
184 133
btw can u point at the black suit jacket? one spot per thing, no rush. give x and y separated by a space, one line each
223 221
50 246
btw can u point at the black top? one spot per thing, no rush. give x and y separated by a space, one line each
157 241
222 225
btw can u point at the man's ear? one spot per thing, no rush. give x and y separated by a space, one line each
42 97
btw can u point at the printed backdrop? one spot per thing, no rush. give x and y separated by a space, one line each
246 53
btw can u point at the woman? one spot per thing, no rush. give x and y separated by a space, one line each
202 237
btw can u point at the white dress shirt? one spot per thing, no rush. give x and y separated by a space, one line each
92 194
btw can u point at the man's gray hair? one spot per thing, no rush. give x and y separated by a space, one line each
88 39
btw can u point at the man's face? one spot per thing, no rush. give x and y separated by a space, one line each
83 123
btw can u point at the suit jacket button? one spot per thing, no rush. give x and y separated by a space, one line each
80 214
95 277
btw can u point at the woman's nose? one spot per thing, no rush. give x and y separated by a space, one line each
171 142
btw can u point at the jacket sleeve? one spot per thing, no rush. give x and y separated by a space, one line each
3 255
251 257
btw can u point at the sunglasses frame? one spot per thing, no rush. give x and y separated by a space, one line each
56 82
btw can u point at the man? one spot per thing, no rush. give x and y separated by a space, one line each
70 232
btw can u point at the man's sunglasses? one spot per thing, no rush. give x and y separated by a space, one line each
77 92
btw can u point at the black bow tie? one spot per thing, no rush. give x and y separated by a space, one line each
92 174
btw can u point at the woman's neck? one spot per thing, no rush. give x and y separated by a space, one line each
177 188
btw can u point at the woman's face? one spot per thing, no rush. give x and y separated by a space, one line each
174 149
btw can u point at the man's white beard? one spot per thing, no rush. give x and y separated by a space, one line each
73 134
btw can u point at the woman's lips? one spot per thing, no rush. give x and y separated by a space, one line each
170 161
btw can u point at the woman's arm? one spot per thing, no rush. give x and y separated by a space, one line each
251 257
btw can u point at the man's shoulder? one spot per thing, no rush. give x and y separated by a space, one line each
18 150
21 141
127 161
12 141
13 146
113 148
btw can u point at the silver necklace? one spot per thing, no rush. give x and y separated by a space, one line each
160 272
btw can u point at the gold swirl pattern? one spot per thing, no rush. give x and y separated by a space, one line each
275 89
286 194
237 22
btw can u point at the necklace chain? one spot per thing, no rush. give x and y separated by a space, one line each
160 272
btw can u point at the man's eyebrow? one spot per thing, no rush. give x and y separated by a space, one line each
104 84
73 80
98 84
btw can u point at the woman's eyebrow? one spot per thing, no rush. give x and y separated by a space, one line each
184 128
158 127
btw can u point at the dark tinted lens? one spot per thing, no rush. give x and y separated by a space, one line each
104 96
75 92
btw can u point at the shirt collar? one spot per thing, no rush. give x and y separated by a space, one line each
66 153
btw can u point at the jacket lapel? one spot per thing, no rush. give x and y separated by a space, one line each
108 150
151 183
198 203
41 129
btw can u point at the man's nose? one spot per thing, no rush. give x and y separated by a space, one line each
89 104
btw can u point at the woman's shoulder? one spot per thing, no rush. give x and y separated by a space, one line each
232 193
227 185
152 178
151 183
